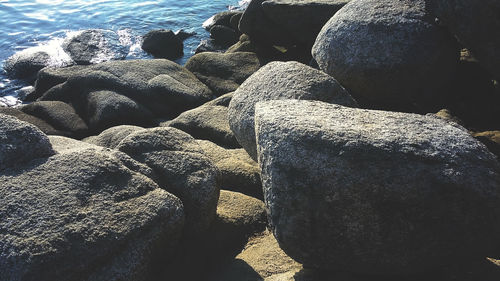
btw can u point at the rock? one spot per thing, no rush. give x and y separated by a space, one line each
446 114
243 45
106 109
21 142
375 192
84 216
236 170
183 35
45 127
223 73
161 86
94 46
207 122
262 258
222 18
223 35
111 137
182 168
235 21
60 115
474 23
208 46
302 19
26 64
280 80
163 43
491 139
238 218
389 54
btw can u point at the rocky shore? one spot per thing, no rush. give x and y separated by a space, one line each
307 140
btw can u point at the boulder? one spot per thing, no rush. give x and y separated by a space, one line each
45 127
94 46
280 80
21 142
236 170
302 19
161 86
163 44
182 169
207 122
375 192
106 109
82 215
223 35
474 23
491 139
389 54
26 64
183 35
111 137
208 46
223 73
59 115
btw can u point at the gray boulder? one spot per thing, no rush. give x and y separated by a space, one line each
182 169
476 24
82 215
222 18
94 46
207 122
159 86
224 36
375 192
223 73
111 137
163 44
21 142
389 54
59 115
26 64
280 80
45 127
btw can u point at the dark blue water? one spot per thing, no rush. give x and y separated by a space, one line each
27 24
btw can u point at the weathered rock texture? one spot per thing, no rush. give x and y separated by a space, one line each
372 191
280 80
388 54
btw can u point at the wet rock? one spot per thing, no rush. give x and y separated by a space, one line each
86 215
26 64
474 23
59 115
236 170
223 73
182 168
163 43
375 192
224 36
94 46
222 18
183 35
207 122
389 54
21 142
279 80
208 46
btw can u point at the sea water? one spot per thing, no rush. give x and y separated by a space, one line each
25 24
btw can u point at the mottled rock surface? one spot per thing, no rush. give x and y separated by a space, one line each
375 192
388 54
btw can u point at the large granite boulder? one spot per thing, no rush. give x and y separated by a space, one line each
163 44
222 18
94 46
150 88
82 215
59 115
45 127
280 80
375 192
21 142
389 54
476 24
223 73
182 169
111 137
